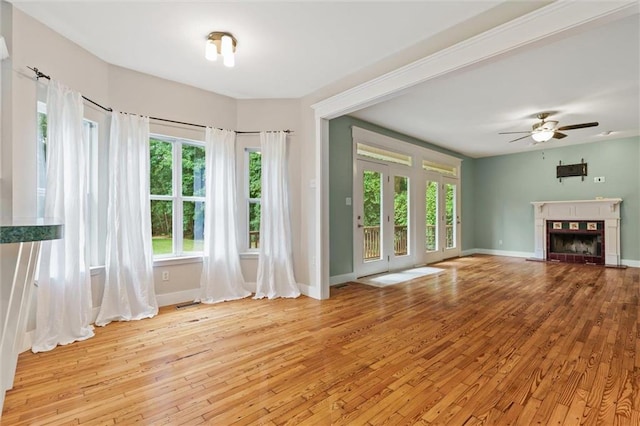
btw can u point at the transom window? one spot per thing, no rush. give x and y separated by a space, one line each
381 154
444 169
177 186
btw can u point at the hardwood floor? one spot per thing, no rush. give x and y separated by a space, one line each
493 340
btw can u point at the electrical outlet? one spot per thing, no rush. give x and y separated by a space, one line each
165 275
500 242
598 179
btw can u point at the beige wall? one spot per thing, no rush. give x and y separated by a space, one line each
33 44
279 114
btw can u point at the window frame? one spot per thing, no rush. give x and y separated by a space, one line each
246 227
91 139
176 197
244 144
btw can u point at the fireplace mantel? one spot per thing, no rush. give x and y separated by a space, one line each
606 209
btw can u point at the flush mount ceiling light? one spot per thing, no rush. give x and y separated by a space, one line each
221 43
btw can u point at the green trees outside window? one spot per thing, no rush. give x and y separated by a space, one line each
431 215
372 182
254 196
172 161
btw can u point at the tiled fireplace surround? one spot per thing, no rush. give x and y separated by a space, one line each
605 212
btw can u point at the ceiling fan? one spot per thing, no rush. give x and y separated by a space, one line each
547 129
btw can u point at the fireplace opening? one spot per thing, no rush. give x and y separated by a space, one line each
576 241
588 244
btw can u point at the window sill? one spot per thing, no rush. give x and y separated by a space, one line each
182 260
249 255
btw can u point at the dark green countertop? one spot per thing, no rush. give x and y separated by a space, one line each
23 230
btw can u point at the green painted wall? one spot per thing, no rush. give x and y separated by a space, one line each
497 191
341 187
506 185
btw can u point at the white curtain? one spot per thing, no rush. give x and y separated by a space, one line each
129 289
275 264
64 287
221 277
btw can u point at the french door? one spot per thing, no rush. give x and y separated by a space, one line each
382 207
441 217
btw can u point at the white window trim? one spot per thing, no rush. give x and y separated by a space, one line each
178 254
243 147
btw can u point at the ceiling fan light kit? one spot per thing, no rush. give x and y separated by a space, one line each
548 129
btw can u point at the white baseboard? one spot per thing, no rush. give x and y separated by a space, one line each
627 262
344 278
27 341
310 291
167 299
503 252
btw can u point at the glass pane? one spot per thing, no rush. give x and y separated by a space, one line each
192 226
192 170
450 214
372 194
254 225
431 198
160 157
96 233
401 215
161 226
42 162
255 173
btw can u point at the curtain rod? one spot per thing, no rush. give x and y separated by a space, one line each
40 74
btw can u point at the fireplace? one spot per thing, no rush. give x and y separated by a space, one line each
576 242
581 231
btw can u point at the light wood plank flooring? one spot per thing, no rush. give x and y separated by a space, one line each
491 341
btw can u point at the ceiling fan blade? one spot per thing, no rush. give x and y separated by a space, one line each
578 126
511 133
520 138
558 135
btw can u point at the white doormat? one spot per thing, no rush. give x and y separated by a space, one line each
392 278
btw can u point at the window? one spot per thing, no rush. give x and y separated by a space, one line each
253 193
42 157
90 136
444 169
177 185
382 154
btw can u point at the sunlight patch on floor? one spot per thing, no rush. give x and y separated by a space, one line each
397 277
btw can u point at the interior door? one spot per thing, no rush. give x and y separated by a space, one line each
371 220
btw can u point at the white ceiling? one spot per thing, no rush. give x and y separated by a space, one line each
292 49
285 49
592 76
